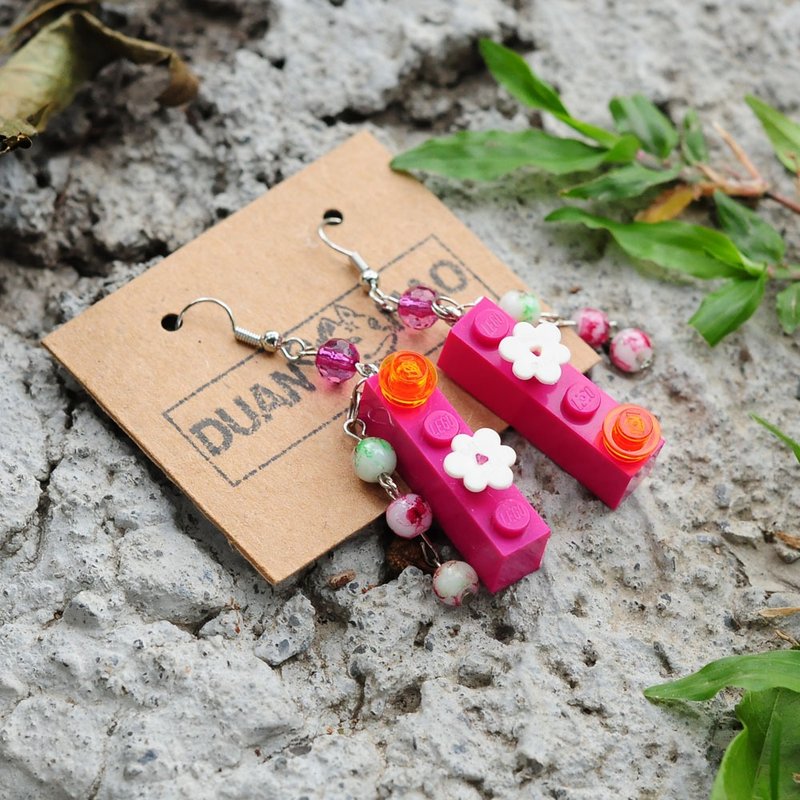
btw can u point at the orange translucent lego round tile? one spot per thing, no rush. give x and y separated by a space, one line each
631 433
407 379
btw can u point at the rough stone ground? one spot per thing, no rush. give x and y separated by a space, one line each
141 658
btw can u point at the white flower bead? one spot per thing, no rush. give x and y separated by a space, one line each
535 352
480 460
454 581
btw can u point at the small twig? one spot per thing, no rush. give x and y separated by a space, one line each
737 151
787 638
792 205
735 186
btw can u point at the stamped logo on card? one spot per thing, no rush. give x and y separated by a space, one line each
257 442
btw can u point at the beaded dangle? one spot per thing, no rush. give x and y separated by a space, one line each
408 515
630 350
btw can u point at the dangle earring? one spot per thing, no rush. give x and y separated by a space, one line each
629 349
336 360
405 386
520 371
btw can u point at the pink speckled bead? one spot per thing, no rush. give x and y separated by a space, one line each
631 350
409 516
454 581
592 325
336 360
415 308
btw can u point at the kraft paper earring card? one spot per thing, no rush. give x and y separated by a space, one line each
254 441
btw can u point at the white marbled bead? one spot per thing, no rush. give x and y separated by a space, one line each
454 581
409 515
524 307
373 457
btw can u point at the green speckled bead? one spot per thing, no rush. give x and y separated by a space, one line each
372 457
522 306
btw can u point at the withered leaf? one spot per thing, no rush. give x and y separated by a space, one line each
789 539
43 76
668 204
784 611
34 14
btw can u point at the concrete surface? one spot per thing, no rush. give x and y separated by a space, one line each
141 658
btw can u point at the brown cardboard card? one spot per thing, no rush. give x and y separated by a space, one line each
254 441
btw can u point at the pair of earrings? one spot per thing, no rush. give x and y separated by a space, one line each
402 422
519 371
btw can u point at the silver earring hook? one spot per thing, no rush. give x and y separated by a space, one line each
369 277
270 341
293 348
179 320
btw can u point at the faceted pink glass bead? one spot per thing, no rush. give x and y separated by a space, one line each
415 308
631 350
409 516
336 360
592 326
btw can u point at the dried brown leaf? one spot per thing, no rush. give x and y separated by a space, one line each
35 13
668 204
402 553
341 579
43 76
784 611
789 539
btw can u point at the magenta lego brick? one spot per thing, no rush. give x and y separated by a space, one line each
496 530
608 447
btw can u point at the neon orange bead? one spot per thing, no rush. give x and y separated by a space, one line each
631 433
407 379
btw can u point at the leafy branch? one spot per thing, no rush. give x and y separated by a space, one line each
44 73
763 760
643 152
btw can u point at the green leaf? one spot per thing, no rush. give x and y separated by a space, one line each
693 142
773 429
782 132
761 761
512 72
625 150
43 76
778 669
691 249
755 237
637 115
788 306
730 306
631 180
486 155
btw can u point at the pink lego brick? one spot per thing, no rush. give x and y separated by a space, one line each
609 448
496 531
